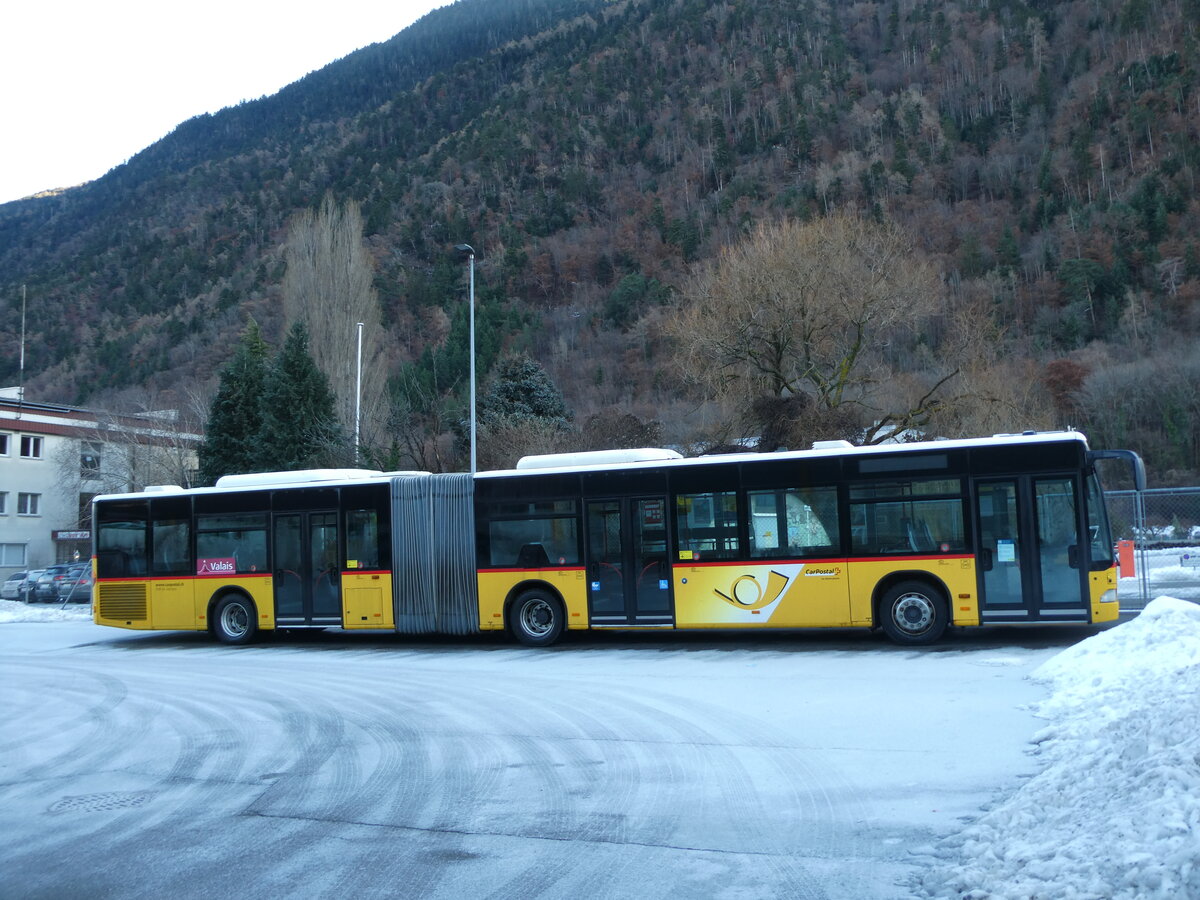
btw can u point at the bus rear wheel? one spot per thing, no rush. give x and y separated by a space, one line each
536 618
913 612
234 620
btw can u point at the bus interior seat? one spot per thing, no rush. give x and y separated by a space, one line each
119 564
532 556
927 536
920 540
112 563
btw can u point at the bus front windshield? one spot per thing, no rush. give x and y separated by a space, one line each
1101 535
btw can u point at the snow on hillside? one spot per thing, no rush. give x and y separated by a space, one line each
1115 812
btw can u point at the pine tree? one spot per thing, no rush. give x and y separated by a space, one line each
230 445
522 413
299 423
523 390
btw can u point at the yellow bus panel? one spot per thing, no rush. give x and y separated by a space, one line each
173 604
783 594
495 586
957 573
1103 589
367 600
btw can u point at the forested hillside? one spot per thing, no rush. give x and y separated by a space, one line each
1045 155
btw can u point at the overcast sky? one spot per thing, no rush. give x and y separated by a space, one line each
86 84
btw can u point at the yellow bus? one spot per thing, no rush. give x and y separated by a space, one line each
908 538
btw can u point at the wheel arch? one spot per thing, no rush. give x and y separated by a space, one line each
892 579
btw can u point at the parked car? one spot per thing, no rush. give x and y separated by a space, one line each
30 583
77 585
47 583
12 587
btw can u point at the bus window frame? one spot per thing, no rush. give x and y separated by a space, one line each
493 512
169 509
105 519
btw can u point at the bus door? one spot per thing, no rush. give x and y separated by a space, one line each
629 581
306 573
1031 562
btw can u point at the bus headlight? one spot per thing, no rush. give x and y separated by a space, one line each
1109 596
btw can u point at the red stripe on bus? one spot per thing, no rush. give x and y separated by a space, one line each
535 569
786 561
148 578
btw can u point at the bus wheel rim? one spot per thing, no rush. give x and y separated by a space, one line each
234 619
537 617
913 613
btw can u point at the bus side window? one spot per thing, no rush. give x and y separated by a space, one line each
240 537
171 540
362 538
707 525
794 522
910 526
121 540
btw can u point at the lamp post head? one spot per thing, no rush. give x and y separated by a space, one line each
465 248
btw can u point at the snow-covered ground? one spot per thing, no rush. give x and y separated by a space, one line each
12 611
1115 810
1112 811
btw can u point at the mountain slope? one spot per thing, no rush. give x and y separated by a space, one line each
1046 154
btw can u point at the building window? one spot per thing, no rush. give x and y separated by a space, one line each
3 503
4 444
12 555
89 459
31 447
28 504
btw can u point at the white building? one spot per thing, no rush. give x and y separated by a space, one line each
55 459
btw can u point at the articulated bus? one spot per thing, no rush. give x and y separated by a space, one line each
907 538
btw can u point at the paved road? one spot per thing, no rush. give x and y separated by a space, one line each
333 765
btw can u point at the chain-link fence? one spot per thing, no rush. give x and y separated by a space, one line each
1163 526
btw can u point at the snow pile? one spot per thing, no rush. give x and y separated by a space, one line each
14 611
1115 813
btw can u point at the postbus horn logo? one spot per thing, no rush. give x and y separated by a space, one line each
747 593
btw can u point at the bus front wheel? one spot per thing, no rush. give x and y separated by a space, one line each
536 618
234 620
913 612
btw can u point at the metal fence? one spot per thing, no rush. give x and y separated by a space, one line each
1163 525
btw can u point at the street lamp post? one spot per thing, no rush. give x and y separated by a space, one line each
470 251
358 397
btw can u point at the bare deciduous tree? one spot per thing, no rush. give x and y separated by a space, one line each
328 286
812 309
127 451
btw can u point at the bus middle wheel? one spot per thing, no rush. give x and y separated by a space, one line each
536 618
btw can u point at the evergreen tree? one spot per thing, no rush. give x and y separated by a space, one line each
523 390
522 413
299 423
230 445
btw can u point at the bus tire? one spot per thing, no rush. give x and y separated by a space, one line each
913 612
234 619
536 618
